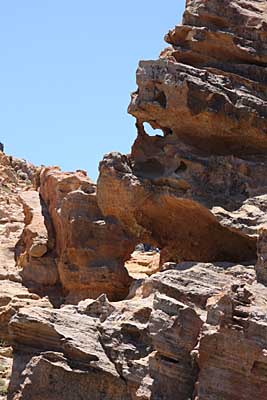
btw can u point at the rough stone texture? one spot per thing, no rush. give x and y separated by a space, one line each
207 96
237 321
5 369
36 234
197 331
208 88
143 264
72 349
157 213
13 295
35 250
90 249
261 266
196 328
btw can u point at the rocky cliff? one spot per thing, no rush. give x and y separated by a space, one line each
90 318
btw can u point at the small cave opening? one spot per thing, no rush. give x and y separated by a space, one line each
182 168
152 131
150 169
161 98
145 260
167 131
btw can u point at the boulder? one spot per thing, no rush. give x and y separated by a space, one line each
90 249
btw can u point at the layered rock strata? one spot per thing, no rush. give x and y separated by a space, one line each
207 96
13 294
197 331
208 88
16 176
154 211
195 328
88 250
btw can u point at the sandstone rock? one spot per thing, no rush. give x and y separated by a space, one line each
5 369
238 345
100 308
158 214
250 218
194 329
37 240
175 329
206 94
208 87
143 264
181 338
261 266
14 296
72 348
90 249
25 170
35 250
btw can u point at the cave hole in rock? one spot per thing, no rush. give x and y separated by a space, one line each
182 168
161 98
144 260
150 169
146 247
153 132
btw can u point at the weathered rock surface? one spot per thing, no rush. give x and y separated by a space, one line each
188 322
261 266
90 249
5 369
143 264
13 295
35 250
198 191
155 212
71 344
209 87
182 337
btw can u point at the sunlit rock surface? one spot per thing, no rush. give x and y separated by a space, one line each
91 316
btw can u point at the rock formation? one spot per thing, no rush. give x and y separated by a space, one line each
13 294
89 318
90 249
196 331
207 95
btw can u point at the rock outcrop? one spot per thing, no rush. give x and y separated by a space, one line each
154 211
35 250
185 190
208 88
87 317
13 294
90 249
197 331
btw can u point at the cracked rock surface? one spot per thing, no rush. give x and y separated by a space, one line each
87 313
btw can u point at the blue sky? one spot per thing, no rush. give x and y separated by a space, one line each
66 73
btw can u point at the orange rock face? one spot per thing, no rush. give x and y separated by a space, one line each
185 190
143 264
157 213
90 250
191 323
208 87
